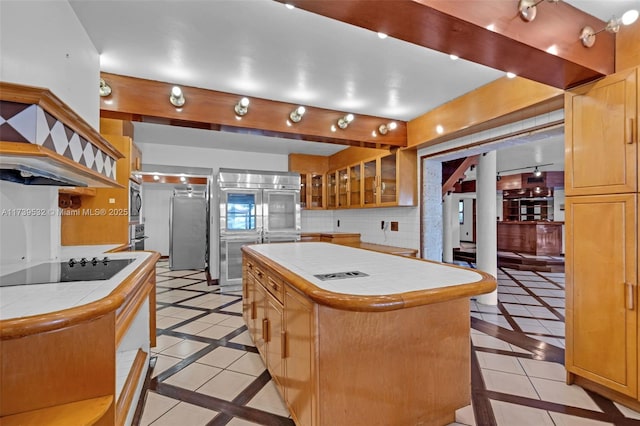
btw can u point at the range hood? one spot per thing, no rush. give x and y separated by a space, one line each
28 176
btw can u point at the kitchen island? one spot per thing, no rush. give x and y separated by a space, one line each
76 352
357 337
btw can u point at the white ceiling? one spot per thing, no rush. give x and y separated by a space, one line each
259 48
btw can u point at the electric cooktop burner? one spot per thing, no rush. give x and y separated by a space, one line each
73 270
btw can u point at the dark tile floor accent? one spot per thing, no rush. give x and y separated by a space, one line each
209 373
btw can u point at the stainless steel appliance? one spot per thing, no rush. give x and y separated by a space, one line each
135 202
255 207
189 232
136 240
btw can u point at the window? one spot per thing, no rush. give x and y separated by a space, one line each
461 212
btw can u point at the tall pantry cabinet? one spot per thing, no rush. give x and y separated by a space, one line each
601 219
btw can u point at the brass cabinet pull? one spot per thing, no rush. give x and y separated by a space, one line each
283 344
630 304
265 330
630 131
253 310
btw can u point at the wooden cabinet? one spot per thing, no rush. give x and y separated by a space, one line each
602 222
312 191
523 209
601 142
332 190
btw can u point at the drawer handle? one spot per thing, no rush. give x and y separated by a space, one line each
253 310
283 344
630 302
265 330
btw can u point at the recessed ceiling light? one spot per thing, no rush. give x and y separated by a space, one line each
454 57
333 127
511 75
439 129
382 36
289 6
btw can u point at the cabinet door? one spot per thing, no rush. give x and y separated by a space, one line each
343 188
274 339
299 354
261 320
304 191
601 290
388 180
316 190
601 137
355 187
332 191
370 177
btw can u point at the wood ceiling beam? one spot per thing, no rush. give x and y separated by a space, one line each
460 27
141 100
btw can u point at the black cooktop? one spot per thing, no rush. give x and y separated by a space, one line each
73 270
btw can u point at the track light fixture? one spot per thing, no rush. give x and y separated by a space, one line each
177 97
384 128
528 8
242 107
105 89
588 34
343 122
296 114
537 172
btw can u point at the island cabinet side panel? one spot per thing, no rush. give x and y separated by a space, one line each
65 366
402 367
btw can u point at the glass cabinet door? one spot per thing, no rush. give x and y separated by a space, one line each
316 191
354 186
331 191
304 190
343 187
369 175
388 176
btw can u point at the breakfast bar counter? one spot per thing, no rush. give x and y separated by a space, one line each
353 336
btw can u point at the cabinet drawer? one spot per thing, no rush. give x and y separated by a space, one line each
257 271
275 286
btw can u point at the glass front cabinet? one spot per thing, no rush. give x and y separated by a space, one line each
312 191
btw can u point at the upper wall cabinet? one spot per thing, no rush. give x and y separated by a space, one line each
601 136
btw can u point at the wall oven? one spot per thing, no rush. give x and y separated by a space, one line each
135 202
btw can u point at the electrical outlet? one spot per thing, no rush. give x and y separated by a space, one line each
382 225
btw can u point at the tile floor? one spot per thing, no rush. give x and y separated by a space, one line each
209 373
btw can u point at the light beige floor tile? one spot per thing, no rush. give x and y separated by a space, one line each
174 296
199 275
202 286
186 414
628 412
515 348
232 321
509 383
212 301
236 307
216 331
221 357
561 393
249 363
166 322
184 348
172 311
268 399
507 364
484 341
193 376
214 318
155 406
543 369
176 282
243 338
179 273
164 342
194 327
164 362
507 414
565 420
465 416
226 385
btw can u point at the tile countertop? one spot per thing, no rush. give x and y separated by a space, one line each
387 274
37 299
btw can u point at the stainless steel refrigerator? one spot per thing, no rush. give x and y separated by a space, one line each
255 207
188 224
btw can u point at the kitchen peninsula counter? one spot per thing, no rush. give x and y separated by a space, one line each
389 345
78 350
533 237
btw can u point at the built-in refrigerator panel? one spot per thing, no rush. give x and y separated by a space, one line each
281 211
231 259
188 230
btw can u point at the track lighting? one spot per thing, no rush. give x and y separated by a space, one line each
537 172
105 89
177 97
384 128
296 114
528 8
242 107
588 34
343 122
498 177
